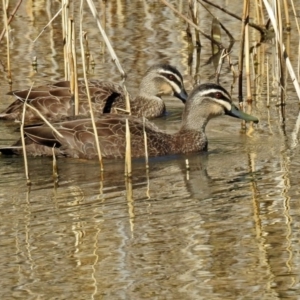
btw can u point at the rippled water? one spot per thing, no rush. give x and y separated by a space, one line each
227 228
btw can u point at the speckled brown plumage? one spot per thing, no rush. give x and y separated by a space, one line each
54 100
205 102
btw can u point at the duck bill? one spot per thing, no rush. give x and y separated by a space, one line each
236 113
182 95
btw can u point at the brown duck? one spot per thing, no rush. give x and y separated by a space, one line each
54 100
205 102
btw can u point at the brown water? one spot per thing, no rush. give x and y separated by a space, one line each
226 229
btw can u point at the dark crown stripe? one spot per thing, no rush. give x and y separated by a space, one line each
212 95
166 74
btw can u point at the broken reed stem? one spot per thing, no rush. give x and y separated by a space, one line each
262 30
128 169
146 144
191 23
23 138
10 18
88 90
45 27
231 66
87 52
231 38
110 49
218 71
105 38
7 42
54 164
127 100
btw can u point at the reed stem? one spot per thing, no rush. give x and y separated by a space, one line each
242 50
247 52
128 169
7 42
10 18
88 90
65 17
23 138
146 144
54 165
191 23
45 27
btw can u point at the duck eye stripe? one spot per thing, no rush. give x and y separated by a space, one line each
222 96
175 78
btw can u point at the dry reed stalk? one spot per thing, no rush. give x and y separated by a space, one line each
262 30
231 66
34 63
70 56
282 52
108 45
268 83
298 28
128 169
74 69
23 138
127 100
10 18
187 164
219 66
103 21
43 118
45 27
107 42
65 18
191 23
88 90
54 165
93 62
187 168
130 203
87 52
146 144
231 38
253 59
242 50
194 14
257 12
5 6
287 16
247 52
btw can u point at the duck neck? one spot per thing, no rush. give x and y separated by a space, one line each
190 140
148 100
194 122
149 89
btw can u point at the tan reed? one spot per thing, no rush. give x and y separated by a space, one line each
23 138
146 145
88 90
128 168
